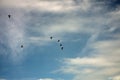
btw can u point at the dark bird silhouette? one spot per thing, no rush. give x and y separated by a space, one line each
21 46
51 37
58 40
60 44
9 16
61 48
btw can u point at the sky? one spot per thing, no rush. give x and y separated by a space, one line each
89 31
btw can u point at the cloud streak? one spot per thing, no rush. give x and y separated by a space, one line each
103 63
56 6
13 34
103 49
46 79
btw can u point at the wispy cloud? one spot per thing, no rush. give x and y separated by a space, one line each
116 77
14 33
2 79
50 79
45 79
61 19
78 17
46 5
102 63
103 48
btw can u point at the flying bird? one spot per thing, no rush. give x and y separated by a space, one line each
9 16
60 44
21 46
61 48
58 40
51 37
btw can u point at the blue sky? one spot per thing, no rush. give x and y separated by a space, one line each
88 29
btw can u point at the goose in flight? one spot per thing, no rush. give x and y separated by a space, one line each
9 16
60 44
21 46
51 37
58 40
61 48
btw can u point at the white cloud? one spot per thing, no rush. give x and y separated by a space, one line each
88 71
50 79
103 60
41 41
88 61
71 24
116 77
2 79
108 49
46 79
40 4
49 5
74 24
40 38
64 27
15 34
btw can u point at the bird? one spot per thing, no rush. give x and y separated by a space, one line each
9 16
58 40
60 44
21 46
51 37
61 48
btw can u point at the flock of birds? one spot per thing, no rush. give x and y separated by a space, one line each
9 16
61 46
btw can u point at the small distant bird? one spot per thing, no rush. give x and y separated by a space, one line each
21 46
51 37
60 44
58 40
9 16
61 48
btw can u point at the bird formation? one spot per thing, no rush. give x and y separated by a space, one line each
9 16
61 46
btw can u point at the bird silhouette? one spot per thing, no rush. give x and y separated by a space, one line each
51 37
61 48
9 16
21 46
60 44
58 40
